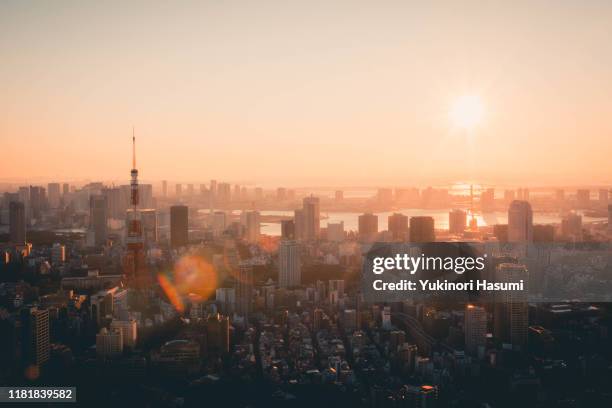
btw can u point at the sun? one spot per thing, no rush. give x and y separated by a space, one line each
467 112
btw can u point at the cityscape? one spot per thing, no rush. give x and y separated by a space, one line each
168 296
306 204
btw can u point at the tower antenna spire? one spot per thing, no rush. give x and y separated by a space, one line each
133 149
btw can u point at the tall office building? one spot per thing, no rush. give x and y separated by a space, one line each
178 189
475 328
511 315
368 227
339 196
252 224
164 188
53 193
298 223
281 194
288 229
179 226
98 217
65 189
289 270
398 226
520 222
422 229
311 216
218 223
457 221
244 289
37 201
35 335
17 222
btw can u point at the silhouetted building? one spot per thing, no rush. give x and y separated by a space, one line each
98 218
398 226
422 229
289 268
457 221
520 222
179 226
311 218
288 229
475 328
368 227
244 289
17 222
511 319
35 335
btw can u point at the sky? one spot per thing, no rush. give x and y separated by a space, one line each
306 92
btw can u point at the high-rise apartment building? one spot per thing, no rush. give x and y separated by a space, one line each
289 269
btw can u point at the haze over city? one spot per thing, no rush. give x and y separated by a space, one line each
319 93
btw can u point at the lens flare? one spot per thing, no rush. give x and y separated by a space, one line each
192 276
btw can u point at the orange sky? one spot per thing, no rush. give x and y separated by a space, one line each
305 93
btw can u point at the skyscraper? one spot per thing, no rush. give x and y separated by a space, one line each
298 220
35 335
98 217
311 216
178 189
289 270
457 221
53 191
17 222
287 229
422 229
368 227
398 226
475 328
37 201
244 289
164 188
252 221
520 222
179 224
511 320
